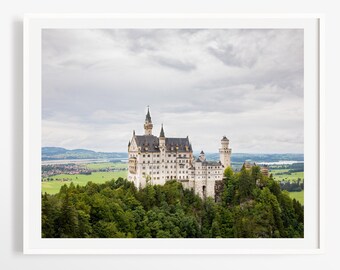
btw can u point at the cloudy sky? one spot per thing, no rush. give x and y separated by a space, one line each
204 83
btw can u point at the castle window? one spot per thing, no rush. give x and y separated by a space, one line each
148 155
174 155
157 155
180 155
185 155
143 155
169 155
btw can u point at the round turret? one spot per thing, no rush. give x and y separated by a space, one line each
225 152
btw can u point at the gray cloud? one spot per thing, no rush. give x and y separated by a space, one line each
246 84
175 63
229 57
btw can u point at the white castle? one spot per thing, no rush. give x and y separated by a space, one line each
156 160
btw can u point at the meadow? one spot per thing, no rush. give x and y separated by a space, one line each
106 165
53 187
299 196
292 177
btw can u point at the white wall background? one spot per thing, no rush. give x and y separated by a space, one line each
11 257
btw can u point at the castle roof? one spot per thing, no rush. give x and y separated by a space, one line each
225 139
150 143
211 163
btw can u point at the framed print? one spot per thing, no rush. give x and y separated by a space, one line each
173 134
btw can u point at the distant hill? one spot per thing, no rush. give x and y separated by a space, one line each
54 153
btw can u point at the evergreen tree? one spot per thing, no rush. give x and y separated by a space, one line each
245 184
252 205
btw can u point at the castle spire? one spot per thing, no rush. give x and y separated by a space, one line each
161 135
148 123
148 116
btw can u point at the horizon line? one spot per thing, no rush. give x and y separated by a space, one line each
206 152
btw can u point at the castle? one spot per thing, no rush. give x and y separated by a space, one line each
156 160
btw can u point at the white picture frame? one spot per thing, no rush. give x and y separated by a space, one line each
313 25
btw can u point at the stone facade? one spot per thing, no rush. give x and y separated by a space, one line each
264 168
156 160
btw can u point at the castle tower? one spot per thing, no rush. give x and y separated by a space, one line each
148 124
225 152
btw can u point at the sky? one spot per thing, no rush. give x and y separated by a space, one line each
246 84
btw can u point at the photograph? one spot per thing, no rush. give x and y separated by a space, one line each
172 132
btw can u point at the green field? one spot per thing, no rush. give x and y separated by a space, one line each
53 187
288 177
105 165
293 177
299 196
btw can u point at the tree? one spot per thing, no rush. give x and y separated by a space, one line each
246 184
229 186
68 219
116 209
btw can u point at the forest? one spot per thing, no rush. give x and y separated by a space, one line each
250 205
